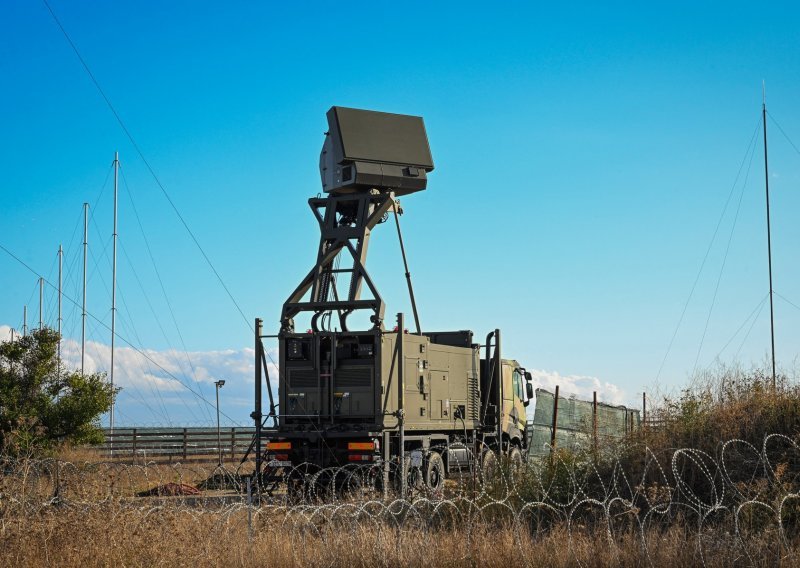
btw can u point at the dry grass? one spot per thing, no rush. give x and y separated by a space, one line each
674 496
726 403
97 521
113 535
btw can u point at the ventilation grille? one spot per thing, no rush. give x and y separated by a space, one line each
353 377
474 396
303 378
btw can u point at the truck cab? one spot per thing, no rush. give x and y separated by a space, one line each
517 393
506 390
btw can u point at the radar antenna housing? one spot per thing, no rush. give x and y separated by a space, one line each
368 159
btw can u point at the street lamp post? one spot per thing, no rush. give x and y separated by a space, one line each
219 384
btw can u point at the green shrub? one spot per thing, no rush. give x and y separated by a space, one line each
41 404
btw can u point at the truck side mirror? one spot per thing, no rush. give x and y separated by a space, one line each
529 389
528 376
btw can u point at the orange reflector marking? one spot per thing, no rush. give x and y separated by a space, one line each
361 445
279 445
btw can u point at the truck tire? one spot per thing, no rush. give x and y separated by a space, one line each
413 475
489 466
434 472
515 460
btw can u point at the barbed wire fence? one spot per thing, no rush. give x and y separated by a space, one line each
745 500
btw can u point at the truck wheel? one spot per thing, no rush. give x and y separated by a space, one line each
515 459
434 471
297 489
488 466
366 483
413 475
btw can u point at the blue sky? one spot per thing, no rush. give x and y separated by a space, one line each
583 155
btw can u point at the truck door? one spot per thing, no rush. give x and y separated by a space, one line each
513 408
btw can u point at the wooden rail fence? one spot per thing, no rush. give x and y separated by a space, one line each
175 443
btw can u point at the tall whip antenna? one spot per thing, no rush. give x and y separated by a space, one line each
114 288
83 305
60 279
769 235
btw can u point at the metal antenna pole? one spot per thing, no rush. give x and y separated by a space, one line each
219 434
408 274
83 312
114 286
11 362
24 321
769 232
41 296
218 385
256 415
401 417
60 273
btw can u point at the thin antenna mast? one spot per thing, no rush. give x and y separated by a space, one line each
60 273
83 313
769 232
114 286
24 321
41 296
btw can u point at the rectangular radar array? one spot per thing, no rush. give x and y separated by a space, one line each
366 149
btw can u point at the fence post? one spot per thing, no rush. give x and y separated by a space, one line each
133 446
594 425
644 410
184 443
57 491
233 442
249 509
555 422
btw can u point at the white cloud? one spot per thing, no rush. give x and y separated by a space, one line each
581 386
164 387
168 386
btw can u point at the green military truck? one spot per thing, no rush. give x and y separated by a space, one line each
439 403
